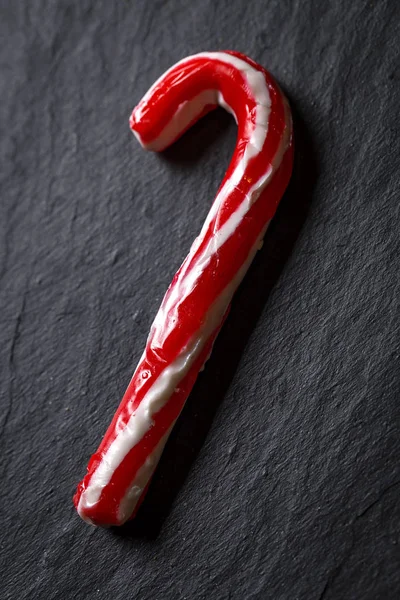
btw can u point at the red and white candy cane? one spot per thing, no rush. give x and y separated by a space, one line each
198 299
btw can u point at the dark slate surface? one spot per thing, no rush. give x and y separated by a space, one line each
282 478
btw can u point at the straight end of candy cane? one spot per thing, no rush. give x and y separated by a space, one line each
79 509
134 124
86 499
90 513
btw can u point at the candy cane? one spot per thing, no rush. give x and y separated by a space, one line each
198 299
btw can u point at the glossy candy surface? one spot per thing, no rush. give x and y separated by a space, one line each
198 299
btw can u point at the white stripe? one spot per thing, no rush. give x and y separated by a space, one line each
142 478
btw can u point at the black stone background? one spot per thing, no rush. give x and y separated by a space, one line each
282 478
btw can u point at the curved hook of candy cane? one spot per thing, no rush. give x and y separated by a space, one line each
197 301
200 83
